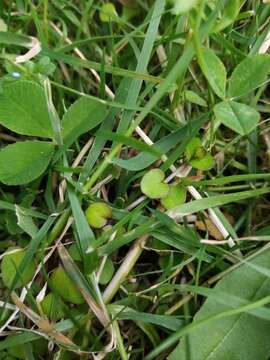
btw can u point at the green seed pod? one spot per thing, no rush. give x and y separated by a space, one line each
52 307
176 196
9 265
97 214
107 272
152 184
65 286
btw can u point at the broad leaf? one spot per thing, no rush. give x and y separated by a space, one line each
23 109
81 117
228 15
249 75
214 71
242 336
239 117
25 221
24 161
194 98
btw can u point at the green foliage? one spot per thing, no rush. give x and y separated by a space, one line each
152 184
82 116
194 98
107 272
214 71
239 117
65 286
23 109
52 306
228 15
175 197
108 12
197 156
25 161
9 268
164 145
99 103
249 75
74 252
182 6
241 335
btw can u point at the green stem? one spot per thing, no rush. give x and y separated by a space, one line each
119 342
58 227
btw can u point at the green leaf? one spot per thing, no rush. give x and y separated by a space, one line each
107 272
241 336
25 221
122 139
228 16
52 306
229 179
152 184
126 313
86 237
194 98
239 117
175 197
191 148
9 268
197 156
65 286
183 6
249 75
108 12
205 163
214 71
82 116
180 136
213 201
23 109
9 38
24 161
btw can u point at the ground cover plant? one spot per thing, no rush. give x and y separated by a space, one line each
134 180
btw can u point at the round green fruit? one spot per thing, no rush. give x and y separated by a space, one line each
97 214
